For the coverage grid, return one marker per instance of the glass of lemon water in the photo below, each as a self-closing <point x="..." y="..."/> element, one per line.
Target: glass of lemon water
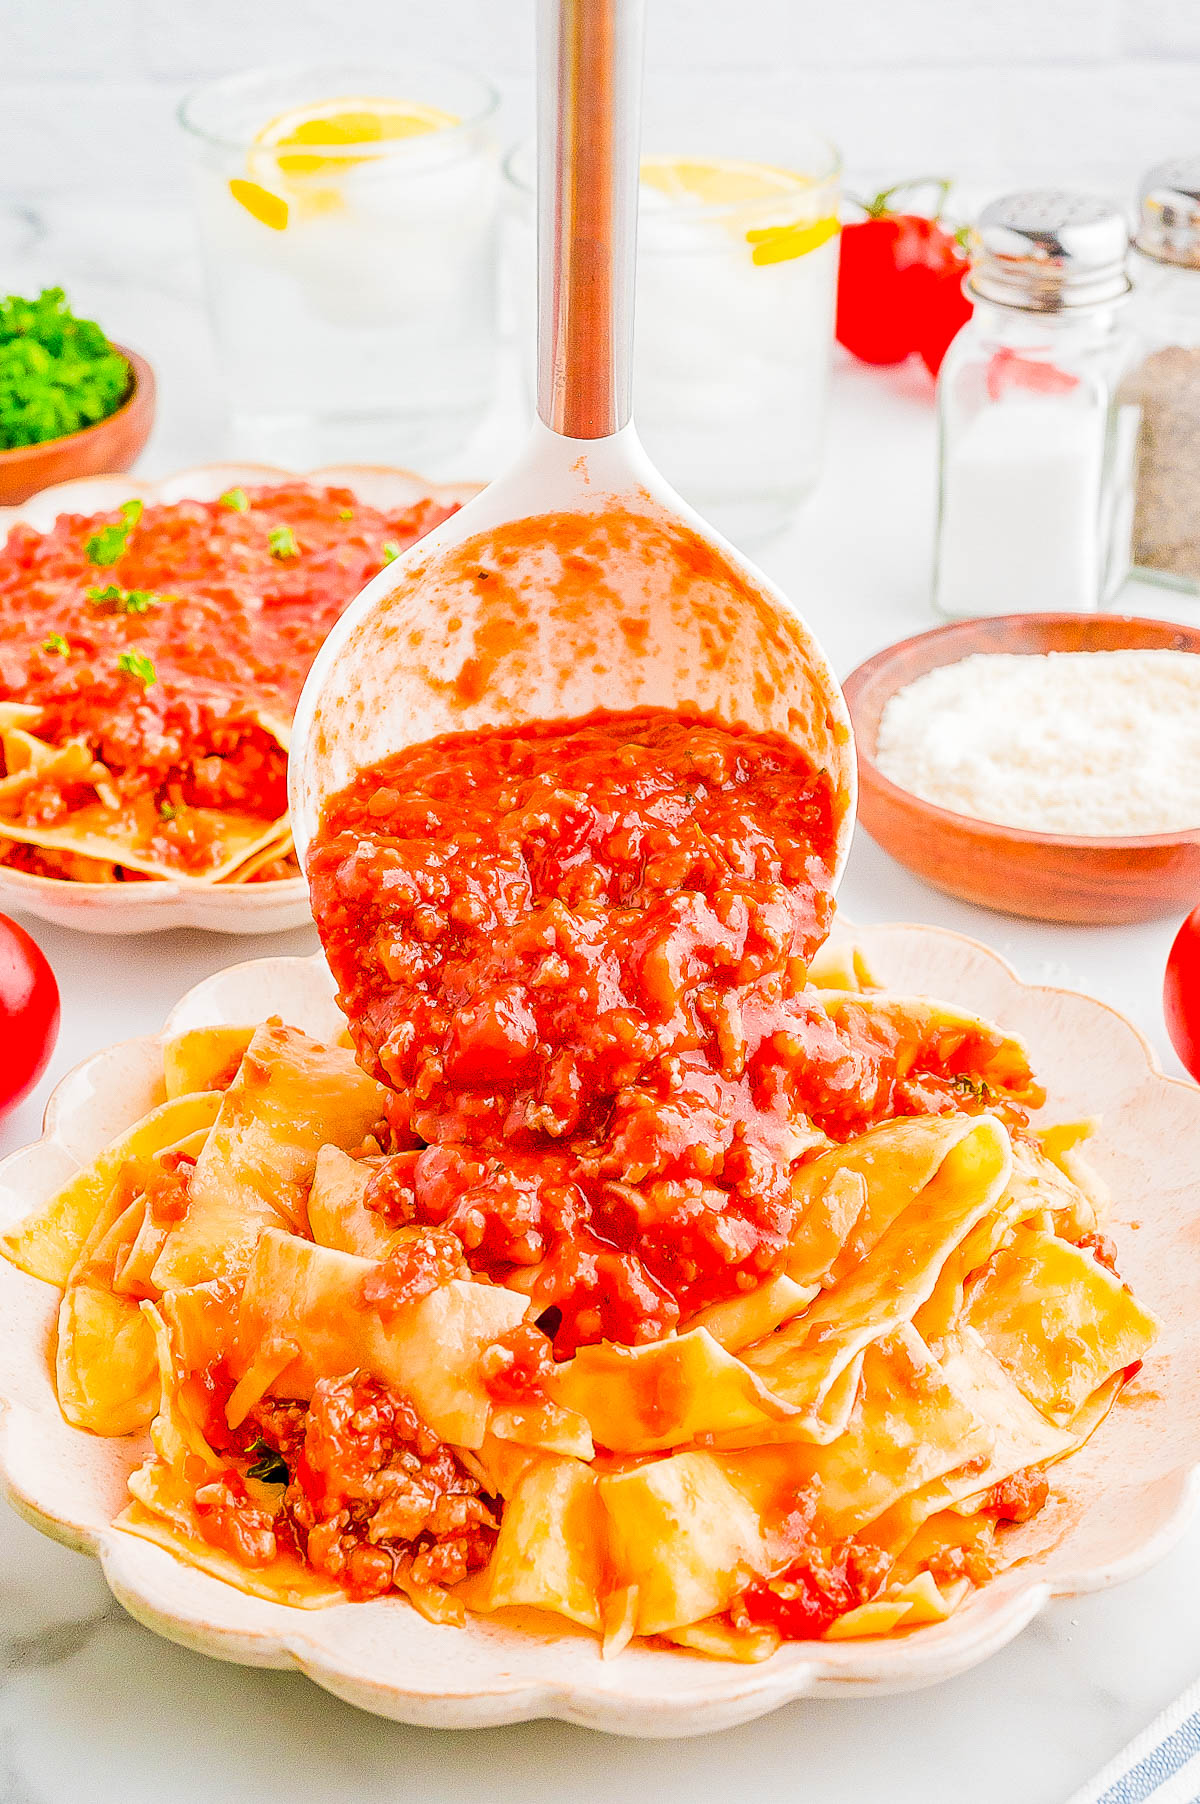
<point x="737" y="273"/>
<point x="348" y="218"/>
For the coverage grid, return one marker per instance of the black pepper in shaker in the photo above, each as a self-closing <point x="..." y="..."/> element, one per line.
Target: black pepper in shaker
<point x="1165" y="383"/>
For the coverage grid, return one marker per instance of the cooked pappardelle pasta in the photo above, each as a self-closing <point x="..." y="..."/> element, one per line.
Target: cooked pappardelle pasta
<point x="644" y="1265"/>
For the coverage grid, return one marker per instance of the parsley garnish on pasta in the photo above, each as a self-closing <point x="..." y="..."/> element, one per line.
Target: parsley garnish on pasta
<point x="137" y="664"/>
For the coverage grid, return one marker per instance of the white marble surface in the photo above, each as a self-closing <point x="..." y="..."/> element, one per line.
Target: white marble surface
<point x="93" y="1707"/>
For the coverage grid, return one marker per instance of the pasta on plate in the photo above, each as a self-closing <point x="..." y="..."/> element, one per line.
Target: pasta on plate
<point x="151" y="657"/>
<point x="760" y="1317"/>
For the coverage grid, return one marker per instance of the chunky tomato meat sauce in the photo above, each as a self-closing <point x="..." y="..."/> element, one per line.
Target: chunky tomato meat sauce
<point x="163" y="641"/>
<point x="374" y="1500"/>
<point x="577" y="955"/>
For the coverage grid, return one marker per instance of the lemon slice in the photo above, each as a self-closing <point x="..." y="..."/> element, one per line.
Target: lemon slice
<point x="725" y="182"/>
<point x="780" y="243"/>
<point x="717" y="181"/>
<point x="334" y="124"/>
<point x="312" y="142"/>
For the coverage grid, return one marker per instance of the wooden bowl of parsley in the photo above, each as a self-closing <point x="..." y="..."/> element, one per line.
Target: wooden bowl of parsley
<point x="71" y="402"/>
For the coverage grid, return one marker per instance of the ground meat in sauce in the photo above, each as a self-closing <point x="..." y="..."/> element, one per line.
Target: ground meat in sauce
<point x="1019" y="1496"/>
<point x="373" y="1500"/>
<point x="815" y="1588"/>
<point x="576" y="953"/>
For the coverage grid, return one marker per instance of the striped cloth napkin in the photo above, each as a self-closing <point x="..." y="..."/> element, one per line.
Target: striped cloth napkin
<point x="1161" y="1767"/>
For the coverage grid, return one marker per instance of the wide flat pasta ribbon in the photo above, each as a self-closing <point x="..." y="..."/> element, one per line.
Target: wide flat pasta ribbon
<point x="1021" y="1438"/>
<point x="308" y="1297"/>
<point x="1038" y="1191"/>
<point x="1057" y="1320"/>
<point x="105" y="1369"/>
<point x="551" y="1552"/>
<point x="291" y="1097"/>
<point x="125" y="835"/>
<point x="162" y="1494"/>
<point x="800" y="1362"/>
<point x="755" y="1313"/>
<point x="911" y="1423"/>
<point x="204" y="1058"/>
<point x="663" y="1394"/>
<point x="852" y="1194"/>
<point x="337" y="1215"/>
<point x="48" y="1242"/>
<point x="683" y="1534"/>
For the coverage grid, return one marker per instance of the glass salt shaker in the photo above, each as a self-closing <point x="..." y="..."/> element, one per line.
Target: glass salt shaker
<point x="1165" y="384"/>
<point x="1034" y="474"/>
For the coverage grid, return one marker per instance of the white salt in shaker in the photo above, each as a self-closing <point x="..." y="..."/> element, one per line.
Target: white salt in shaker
<point x="1035" y="454"/>
<point x="1165" y="384"/>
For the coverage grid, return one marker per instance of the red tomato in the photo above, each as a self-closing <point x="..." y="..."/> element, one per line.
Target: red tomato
<point x="28" y="1013"/>
<point x="1181" y="993"/>
<point x="949" y="312"/>
<point x="899" y="285"/>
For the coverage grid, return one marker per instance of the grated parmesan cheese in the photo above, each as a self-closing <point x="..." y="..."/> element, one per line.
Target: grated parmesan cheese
<point x="1103" y="744"/>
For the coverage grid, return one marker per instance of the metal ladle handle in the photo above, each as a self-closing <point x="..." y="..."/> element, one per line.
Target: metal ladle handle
<point x="589" y="135"/>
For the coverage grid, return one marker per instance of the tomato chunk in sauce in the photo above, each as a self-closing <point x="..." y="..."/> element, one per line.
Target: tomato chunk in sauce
<point x="576" y="953"/>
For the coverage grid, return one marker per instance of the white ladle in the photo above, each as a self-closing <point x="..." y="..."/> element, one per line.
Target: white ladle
<point x="578" y="580"/>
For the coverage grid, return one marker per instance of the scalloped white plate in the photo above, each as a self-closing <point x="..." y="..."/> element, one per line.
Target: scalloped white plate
<point x="1117" y="1506"/>
<point x="146" y="907"/>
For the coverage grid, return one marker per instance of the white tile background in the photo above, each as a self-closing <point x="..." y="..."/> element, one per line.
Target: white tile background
<point x="987" y="90"/>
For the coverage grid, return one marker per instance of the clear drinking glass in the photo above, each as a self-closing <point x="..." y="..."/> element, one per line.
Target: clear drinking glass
<point x="737" y="272"/>
<point x="349" y="221"/>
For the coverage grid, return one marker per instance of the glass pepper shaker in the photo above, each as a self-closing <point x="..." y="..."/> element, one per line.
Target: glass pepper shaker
<point x="1165" y="384"/>
<point x="1033" y="509"/>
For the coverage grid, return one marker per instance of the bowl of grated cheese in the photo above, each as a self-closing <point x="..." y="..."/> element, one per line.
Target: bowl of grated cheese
<point x="1045" y="765"/>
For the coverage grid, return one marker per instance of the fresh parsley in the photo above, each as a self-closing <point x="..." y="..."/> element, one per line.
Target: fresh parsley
<point x="58" y="373"/>
<point x="122" y="601"/>
<point x="107" y="545"/>
<point x="236" y="500"/>
<point x="281" y="542"/>
<point x="981" y="1091"/>
<point x="137" y="664"/>
<point x="167" y="811"/>
<point x="56" y="643"/>
<point x="391" y="551"/>
<point x="345" y="513"/>
<point x="270" y="1466"/>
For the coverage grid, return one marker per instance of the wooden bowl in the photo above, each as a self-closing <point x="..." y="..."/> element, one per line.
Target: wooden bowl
<point x="1048" y="876"/>
<point x="112" y="444"/>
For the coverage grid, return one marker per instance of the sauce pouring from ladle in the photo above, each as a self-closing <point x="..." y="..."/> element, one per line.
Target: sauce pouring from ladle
<point x="578" y="580"/>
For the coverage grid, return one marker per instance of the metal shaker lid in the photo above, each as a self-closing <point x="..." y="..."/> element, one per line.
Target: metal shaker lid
<point x="1168" y="226"/>
<point x="1048" y="250"/>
